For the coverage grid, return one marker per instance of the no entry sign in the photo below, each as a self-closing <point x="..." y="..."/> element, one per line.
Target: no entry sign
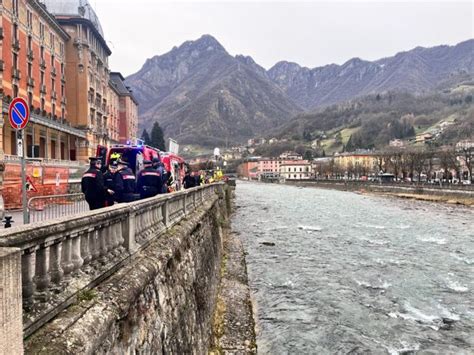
<point x="19" y="113"/>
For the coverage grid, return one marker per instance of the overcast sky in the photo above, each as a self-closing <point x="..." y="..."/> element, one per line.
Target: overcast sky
<point x="311" y="33"/>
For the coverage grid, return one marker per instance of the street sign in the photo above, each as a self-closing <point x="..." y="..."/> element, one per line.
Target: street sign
<point x="19" y="145"/>
<point x="19" y="113"/>
<point x="30" y="186"/>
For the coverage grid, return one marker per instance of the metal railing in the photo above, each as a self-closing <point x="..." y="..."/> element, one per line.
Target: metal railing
<point x="43" y="208"/>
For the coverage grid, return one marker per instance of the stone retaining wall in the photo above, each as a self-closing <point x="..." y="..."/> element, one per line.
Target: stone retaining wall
<point x="161" y="301"/>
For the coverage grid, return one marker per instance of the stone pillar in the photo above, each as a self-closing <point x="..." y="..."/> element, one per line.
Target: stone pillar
<point x="166" y="214"/>
<point x="128" y="229"/>
<point x="11" y="324"/>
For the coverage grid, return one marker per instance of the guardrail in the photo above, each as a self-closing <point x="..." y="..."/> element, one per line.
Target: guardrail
<point x="63" y="257"/>
<point x="444" y="186"/>
<point x="43" y="208"/>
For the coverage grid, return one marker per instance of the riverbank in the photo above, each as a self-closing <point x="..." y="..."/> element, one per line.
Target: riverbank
<point x="233" y="325"/>
<point x="456" y="197"/>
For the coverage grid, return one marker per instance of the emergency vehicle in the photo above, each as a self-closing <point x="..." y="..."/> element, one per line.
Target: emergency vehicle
<point x="175" y="164"/>
<point x="136" y="154"/>
<point x="133" y="154"/>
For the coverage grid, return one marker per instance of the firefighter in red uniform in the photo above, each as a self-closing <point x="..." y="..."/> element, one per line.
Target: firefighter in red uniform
<point x="148" y="181"/>
<point x="92" y="185"/>
<point x="125" y="183"/>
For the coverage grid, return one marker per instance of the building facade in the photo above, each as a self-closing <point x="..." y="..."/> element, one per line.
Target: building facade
<point x="87" y="71"/>
<point x="114" y="113"/>
<point x="128" y="109"/>
<point x="296" y="170"/>
<point x="360" y="163"/>
<point x="32" y="66"/>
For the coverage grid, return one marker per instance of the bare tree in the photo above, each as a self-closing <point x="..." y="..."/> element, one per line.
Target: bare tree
<point x="466" y="158"/>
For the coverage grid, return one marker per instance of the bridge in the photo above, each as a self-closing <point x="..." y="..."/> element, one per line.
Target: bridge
<point x="136" y="277"/>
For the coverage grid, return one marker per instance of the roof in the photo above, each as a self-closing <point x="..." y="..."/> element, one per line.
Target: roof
<point x="117" y="81"/>
<point x="49" y="17"/>
<point x="76" y="8"/>
<point x="67" y="11"/>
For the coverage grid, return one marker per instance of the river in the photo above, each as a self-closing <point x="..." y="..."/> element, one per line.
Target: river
<point x="335" y="272"/>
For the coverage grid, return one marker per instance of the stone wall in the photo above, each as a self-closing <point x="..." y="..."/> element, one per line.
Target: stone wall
<point x="11" y="332"/>
<point x="162" y="301"/>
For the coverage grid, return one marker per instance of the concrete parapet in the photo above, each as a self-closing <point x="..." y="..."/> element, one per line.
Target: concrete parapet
<point x="11" y="325"/>
<point x="63" y="258"/>
<point x="160" y="302"/>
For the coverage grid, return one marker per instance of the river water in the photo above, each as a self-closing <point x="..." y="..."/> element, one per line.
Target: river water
<point x="356" y="274"/>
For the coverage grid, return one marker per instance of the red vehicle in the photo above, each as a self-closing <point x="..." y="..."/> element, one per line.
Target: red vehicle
<point x="175" y="164"/>
<point x="133" y="154"/>
<point x="136" y="154"/>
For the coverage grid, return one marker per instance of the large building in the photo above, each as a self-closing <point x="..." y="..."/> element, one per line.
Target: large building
<point x="114" y="113"/>
<point x="359" y="162"/>
<point x="32" y="66"/>
<point x="296" y="170"/>
<point x="87" y="71"/>
<point x="128" y="112"/>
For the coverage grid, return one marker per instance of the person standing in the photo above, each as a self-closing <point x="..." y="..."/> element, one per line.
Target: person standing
<point x="125" y="183"/>
<point x="109" y="182"/>
<point x="189" y="180"/>
<point x="92" y="185"/>
<point x="159" y="167"/>
<point x="148" y="181"/>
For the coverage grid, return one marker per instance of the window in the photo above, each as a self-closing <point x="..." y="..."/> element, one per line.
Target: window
<point x="42" y="52"/>
<point x="15" y="32"/>
<point x="30" y="43"/>
<point x="42" y="104"/>
<point x="53" y="110"/>
<point x="53" y="85"/>
<point x="15" y="61"/>
<point x="15" y="6"/>
<point x="30" y="99"/>
<point x="30" y="70"/>
<point x="29" y="18"/>
<point x="15" y="90"/>
<point x="52" y="61"/>
<point x="42" y="31"/>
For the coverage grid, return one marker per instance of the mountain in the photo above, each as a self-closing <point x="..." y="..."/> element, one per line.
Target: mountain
<point x="417" y="71"/>
<point x="202" y="95"/>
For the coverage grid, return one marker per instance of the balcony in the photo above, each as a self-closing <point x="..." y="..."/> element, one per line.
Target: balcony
<point x="43" y="89"/>
<point x="63" y="100"/>
<point x="16" y="45"/>
<point x="30" y="55"/>
<point x="16" y="74"/>
<point x="63" y="78"/>
<point x="43" y="64"/>
<point x="53" y="71"/>
<point x="53" y="95"/>
<point x="31" y="82"/>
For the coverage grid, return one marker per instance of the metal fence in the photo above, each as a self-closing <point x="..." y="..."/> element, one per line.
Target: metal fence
<point x="42" y="208"/>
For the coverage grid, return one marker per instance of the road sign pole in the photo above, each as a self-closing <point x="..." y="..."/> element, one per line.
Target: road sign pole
<point x="19" y="115"/>
<point x="21" y="154"/>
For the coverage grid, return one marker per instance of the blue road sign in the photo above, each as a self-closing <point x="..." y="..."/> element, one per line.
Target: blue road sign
<point x="19" y="114"/>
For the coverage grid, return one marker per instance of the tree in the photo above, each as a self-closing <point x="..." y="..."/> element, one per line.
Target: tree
<point x="308" y="155"/>
<point x="146" y="137"/>
<point x="157" y="138"/>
